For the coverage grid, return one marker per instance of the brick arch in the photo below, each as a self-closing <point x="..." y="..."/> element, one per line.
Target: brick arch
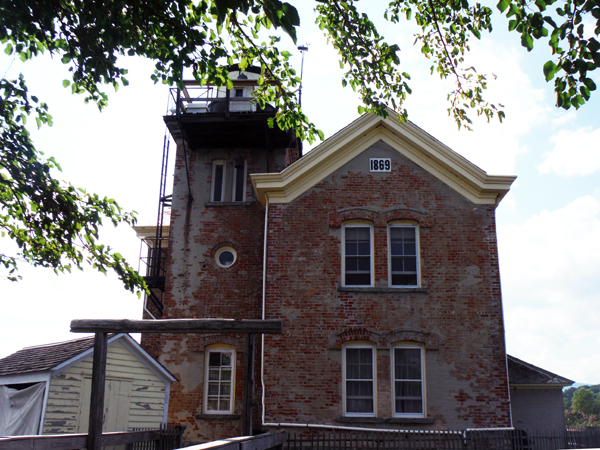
<point x="424" y="219"/>
<point x="337" y="339"/>
<point x="362" y="212"/>
<point x="431" y="341"/>
<point x="224" y="340"/>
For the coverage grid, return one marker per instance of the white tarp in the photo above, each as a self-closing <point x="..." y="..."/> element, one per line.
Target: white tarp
<point x="21" y="410"/>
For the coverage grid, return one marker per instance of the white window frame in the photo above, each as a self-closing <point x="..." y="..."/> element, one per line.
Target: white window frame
<point x="235" y="173"/>
<point x="410" y="346"/>
<point x="208" y="352"/>
<point x="361" y="224"/>
<point x="373" y="379"/>
<point x="417" y="256"/>
<point x="218" y="162"/>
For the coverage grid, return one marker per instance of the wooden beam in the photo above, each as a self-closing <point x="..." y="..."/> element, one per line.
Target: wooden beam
<point x="248" y="393"/>
<point x="94" y="440"/>
<point x="228" y="326"/>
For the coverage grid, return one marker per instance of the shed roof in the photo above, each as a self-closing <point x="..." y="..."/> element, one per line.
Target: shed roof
<point x="43" y="357"/>
<point x="521" y="373"/>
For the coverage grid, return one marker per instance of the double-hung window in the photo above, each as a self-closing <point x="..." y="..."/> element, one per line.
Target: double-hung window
<point x="357" y="255"/>
<point x="408" y="381"/>
<point x="219" y="379"/>
<point x="359" y="380"/>
<point x="239" y="180"/>
<point x="404" y="256"/>
<point x="218" y="181"/>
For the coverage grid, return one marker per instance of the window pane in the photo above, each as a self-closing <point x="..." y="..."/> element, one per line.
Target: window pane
<point x="404" y="280"/>
<point x="213" y="388"/>
<point x="212" y="404"/>
<point x="214" y="359"/>
<point x="218" y="183"/>
<point x="225" y="389"/>
<point x="226" y="359"/>
<point x="213" y="374"/>
<point x="356" y="279"/>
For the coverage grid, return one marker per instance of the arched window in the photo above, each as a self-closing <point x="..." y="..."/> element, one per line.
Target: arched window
<point x="219" y="380"/>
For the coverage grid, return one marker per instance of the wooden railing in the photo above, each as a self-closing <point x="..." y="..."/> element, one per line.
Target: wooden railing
<point x="267" y="441"/>
<point x="166" y="438"/>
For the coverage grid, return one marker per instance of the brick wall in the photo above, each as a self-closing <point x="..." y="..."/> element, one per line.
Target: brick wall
<point x="456" y="316"/>
<point x="461" y="311"/>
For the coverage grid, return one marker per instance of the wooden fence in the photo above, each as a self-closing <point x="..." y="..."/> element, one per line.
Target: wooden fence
<point x="165" y="438"/>
<point x="500" y="439"/>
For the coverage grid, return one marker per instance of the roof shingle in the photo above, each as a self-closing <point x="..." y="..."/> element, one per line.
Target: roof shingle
<point x="43" y="357"/>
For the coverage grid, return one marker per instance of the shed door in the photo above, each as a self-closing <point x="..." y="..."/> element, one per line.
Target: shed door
<point x="117" y="401"/>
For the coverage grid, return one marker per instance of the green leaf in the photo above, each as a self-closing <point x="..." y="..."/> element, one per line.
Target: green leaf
<point x="549" y="70"/>
<point x="66" y="83"/>
<point x="502" y="5"/>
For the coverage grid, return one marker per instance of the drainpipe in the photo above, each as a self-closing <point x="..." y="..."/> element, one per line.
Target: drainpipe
<point x="264" y="312"/>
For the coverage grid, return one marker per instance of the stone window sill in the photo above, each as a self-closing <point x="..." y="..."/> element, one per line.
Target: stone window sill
<point x="217" y="204"/>
<point x="217" y="416"/>
<point x="386" y="290"/>
<point x="384" y="420"/>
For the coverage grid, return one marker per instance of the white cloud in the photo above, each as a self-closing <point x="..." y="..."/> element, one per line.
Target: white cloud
<point x="575" y="153"/>
<point x="550" y="269"/>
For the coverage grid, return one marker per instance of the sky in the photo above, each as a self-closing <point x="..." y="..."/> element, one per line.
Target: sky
<point x="548" y="225"/>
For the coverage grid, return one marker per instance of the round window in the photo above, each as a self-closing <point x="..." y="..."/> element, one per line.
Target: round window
<point x="225" y="257"/>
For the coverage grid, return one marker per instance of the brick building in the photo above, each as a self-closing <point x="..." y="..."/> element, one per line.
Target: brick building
<point x="377" y="249"/>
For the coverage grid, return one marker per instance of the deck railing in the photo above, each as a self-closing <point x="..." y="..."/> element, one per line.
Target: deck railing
<point x="166" y="438"/>
<point x="499" y="439"/>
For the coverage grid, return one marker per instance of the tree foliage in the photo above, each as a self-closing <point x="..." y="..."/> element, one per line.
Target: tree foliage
<point x="54" y="224"/>
<point x="582" y="406"/>
<point x="206" y="35"/>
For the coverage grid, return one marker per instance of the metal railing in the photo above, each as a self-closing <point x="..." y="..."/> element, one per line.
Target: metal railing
<point x="500" y="439"/>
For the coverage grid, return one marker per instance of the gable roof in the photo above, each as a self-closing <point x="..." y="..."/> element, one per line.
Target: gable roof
<point x="43" y="357"/>
<point x="523" y="374"/>
<point x="408" y="139"/>
<point x="61" y="355"/>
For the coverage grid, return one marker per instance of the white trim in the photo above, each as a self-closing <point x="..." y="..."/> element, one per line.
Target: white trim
<point x="219" y="349"/>
<point x="358" y="224"/>
<point x="218" y="162"/>
<point x="166" y="404"/>
<point x="417" y="251"/>
<point x="22" y="378"/>
<point x="224" y="249"/>
<point x="44" y="407"/>
<point x="406" y="138"/>
<point x="373" y="380"/>
<point x="233" y="191"/>
<point x="422" y="380"/>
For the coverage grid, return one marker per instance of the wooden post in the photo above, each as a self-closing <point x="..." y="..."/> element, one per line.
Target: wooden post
<point x="94" y="440"/>
<point x="248" y="395"/>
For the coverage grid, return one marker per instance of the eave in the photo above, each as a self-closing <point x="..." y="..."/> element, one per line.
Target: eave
<point x="408" y="139"/>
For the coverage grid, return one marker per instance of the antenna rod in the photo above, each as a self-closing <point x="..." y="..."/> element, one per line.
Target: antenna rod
<point x="302" y="48"/>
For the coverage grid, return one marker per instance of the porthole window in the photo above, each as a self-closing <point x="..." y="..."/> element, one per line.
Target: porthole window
<point x="226" y="257"/>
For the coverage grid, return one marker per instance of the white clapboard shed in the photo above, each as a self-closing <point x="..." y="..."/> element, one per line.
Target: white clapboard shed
<point x="46" y="389"/>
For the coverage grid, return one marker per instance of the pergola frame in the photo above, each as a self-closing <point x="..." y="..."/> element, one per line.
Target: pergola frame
<point x="101" y="329"/>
